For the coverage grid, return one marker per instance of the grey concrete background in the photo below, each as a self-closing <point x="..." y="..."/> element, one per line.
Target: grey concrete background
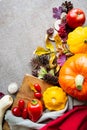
<point x="23" y="24"/>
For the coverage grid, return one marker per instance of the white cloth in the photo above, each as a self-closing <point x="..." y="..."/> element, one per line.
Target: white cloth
<point x="18" y="123"/>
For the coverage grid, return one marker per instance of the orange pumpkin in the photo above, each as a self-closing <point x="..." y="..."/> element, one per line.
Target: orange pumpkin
<point x="73" y="76"/>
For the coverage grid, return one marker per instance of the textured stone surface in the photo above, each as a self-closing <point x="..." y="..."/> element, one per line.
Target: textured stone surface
<point x="23" y="24"/>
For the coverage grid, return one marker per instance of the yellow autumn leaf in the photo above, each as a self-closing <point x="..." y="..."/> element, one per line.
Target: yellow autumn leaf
<point x="32" y="87"/>
<point x="49" y="45"/>
<point x="51" y="60"/>
<point x="57" y="68"/>
<point x="40" y="51"/>
<point x="57" y="40"/>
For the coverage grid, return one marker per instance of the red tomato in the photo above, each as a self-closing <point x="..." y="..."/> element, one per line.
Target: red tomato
<point x="75" y="18"/>
<point x="37" y="87"/>
<point x="37" y="95"/>
<point x="25" y="113"/>
<point x="16" y="111"/>
<point x="35" y="109"/>
<point x="21" y="104"/>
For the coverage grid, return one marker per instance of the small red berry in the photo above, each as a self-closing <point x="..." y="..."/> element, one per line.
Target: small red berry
<point x="37" y="87"/>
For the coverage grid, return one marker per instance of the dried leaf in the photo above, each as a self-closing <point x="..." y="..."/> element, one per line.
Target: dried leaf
<point x="61" y="59"/>
<point x="32" y="87"/>
<point x="49" y="45"/>
<point x="57" y="68"/>
<point x="57" y="12"/>
<point x="51" y="60"/>
<point x="57" y="40"/>
<point x="40" y="51"/>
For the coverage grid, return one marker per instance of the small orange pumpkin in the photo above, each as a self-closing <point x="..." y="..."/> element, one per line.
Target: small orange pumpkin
<point x="73" y="76"/>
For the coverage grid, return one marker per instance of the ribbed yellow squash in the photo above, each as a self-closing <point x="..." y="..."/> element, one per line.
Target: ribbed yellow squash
<point x="54" y="98"/>
<point x="77" y="40"/>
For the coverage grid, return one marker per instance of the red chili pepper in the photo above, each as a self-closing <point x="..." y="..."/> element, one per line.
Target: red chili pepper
<point x="21" y="104"/>
<point x="37" y="95"/>
<point x="25" y="113"/>
<point x="16" y="111"/>
<point x="37" y="87"/>
<point x="35" y="109"/>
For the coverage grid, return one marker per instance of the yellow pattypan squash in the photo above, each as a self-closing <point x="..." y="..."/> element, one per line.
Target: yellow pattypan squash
<point x="54" y="98"/>
<point x="77" y="40"/>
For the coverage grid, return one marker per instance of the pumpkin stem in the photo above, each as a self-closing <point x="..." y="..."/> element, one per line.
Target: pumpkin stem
<point x="85" y="41"/>
<point x="79" y="81"/>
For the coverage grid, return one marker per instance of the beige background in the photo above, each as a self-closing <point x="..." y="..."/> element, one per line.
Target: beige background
<point x="23" y="24"/>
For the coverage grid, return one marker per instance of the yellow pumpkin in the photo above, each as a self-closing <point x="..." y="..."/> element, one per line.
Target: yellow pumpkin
<point x="77" y="40"/>
<point x="54" y="98"/>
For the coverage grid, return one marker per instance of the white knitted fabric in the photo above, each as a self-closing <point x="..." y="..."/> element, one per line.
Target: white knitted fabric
<point x="18" y="123"/>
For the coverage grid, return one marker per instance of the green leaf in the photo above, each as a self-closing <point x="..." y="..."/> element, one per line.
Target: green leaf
<point x="42" y="72"/>
<point x="51" y="72"/>
<point x="40" y="51"/>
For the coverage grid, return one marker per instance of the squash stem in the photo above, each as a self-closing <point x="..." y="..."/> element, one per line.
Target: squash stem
<point x="79" y="81"/>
